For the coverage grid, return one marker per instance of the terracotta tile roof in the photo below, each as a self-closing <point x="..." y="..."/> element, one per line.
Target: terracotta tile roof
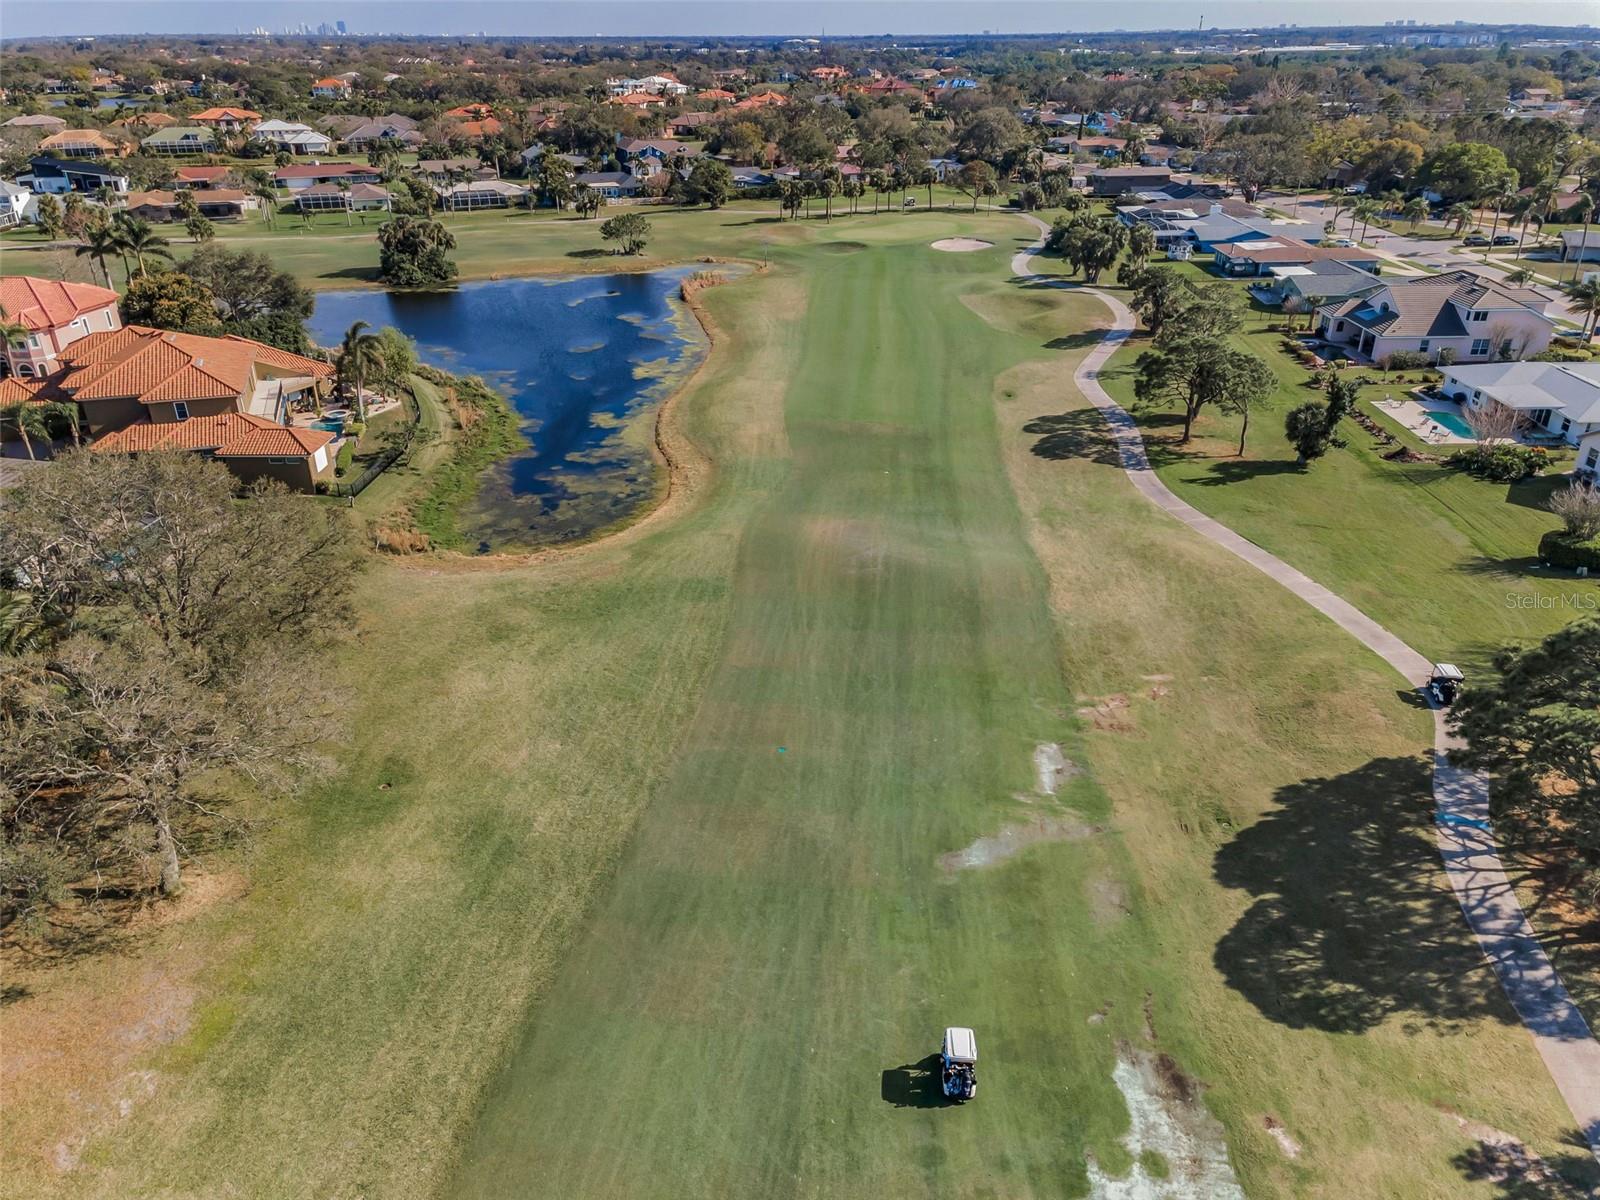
<point x="228" y="435"/>
<point x="227" y="114"/>
<point x="77" y="137"/>
<point x="201" y="174"/>
<point x="716" y="94"/>
<point x="157" y="366"/>
<point x="331" y="83"/>
<point x="47" y="304"/>
<point x="27" y="391"/>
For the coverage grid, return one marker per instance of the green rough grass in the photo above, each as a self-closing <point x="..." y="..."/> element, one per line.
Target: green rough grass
<point x="627" y="882"/>
<point x="453" y="482"/>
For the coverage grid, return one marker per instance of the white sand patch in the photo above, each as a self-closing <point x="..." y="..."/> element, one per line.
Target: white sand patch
<point x="1286" y="1142"/>
<point x="961" y="245"/>
<point x="1051" y="768"/>
<point x="1013" y="839"/>
<point x="1169" y="1117"/>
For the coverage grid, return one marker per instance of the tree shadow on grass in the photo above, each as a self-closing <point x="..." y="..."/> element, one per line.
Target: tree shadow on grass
<point x="914" y="1085"/>
<point x="1076" y="341"/>
<point x="1242" y="470"/>
<point x="1083" y="433"/>
<point x="1352" y="921"/>
<point x="590" y="252"/>
<point x="1535" y="491"/>
<point x="1517" y="1176"/>
<point x="368" y="274"/>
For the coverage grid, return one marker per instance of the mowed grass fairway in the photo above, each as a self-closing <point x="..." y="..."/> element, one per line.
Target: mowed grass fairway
<point x="632" y="879"/>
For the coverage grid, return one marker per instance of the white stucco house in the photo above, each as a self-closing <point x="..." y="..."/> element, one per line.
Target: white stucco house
<point x="1589" y="458"/>
<point x="1558" y="399"/>
<point x="1472" y="318"/>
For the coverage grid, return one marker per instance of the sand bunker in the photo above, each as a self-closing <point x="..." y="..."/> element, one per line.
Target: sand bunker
<point x="961" y="245"/>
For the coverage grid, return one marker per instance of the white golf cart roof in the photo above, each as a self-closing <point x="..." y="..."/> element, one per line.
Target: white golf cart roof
<point x="1448" y="671"/>
<point x="960" y="1045"/>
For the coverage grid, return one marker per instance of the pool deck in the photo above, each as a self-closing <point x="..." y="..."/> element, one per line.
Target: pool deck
<point x="1417" y="415"/>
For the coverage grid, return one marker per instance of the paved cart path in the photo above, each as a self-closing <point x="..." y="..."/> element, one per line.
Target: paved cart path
<point x="1461" y="797"/>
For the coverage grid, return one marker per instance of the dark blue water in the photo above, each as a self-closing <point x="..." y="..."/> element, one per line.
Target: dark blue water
<point x="583" y="360"/>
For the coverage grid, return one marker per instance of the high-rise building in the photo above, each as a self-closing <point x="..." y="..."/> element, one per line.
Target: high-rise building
<point x="339" y="25"/>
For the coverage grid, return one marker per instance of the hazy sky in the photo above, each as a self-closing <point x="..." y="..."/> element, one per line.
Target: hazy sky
<point x="687" y="18"/>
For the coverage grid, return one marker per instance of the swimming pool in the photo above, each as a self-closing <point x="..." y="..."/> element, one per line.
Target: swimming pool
<point x="1451" y="421"/>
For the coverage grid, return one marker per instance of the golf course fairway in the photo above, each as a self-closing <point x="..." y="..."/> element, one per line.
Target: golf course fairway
<point x="852" y="847"/>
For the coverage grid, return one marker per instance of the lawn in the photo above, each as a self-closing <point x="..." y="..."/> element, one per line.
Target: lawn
<point x="632" y="877"/>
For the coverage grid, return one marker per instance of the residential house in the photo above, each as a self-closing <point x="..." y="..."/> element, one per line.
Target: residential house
<point x="80" y="143"/>
<point x="181" y="140"/>
<point x="1114" y="181"/>
<point x="226" y="120"/>
<point x="297" y="175"/>
<point x="1259" y="256"/>
<point x="1588" y="467"/>
<point x="18" y="205"/>
<point x="214" y="204"/>
<point x="616" y="185"/>
<point x="1316" y="282"/>
<point x="394" y="128"/>
<point x="767" y="99"/>
<point x="355" y="197"/>
<point x="140" y="389"/>
<point x="945" y="170"/>
<point x="141" y="123"/>
<point x="746" y="178"/>
<point x="56" y="177"/>
<point x="1558" y="400"/>
<point x="42" y="121"/>
<point x="650" y="85"/>
<point x="715" y="96"/>
<point x="292" y="138"/>
<point x="330" y="89"/>
<point x="638" y="101"/>
<point x="56" y="315"/>
<point x="689" y="124"/>
<point x="480" y="193"/>
<point x="448" y="170"/>
<point x="1342" y="174"/>
<point x="201" y="177"/>
<point x="1476" y="320"/>
<point x="646" y="156"/>
<point x="828" y="74"/>
<point x="252" y="448"/>
<point x="1580" y="245"/>
<point x="1160" y="154"/>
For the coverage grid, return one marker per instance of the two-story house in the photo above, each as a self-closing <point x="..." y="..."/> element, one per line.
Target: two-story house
<point x="139" y="389"/>
<point x="56" y="315"/>
<point x="228" y="120"/>
<point x="1476" y="320"/>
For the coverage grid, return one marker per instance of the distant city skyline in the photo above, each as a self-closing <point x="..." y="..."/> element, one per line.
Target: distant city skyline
<point x="743" y="18"/>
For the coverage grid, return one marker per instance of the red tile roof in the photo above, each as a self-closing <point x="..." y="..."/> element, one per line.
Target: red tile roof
<point x="201" y="174"/>
<point x="228" y="435"/>
<point x="27" y="391"/>
<point x="157" y="366"/>
<point x="227" y="114"/>
<point x="46" y="304"/>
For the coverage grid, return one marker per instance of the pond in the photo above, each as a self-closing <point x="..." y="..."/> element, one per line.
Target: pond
<point x="585" y="361"/>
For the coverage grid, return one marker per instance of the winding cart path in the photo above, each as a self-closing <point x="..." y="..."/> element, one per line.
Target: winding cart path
<point x="1461" y="798"/>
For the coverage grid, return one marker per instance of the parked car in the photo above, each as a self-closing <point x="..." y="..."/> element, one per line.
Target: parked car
<point x="1340" y="243"/>
<point x="1504" y="239"/>
<point x="1475" y="239"/>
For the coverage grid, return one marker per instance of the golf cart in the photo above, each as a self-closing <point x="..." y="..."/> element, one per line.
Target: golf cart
<point x="1445" y="684"/>
<point x="958" y="1064"/>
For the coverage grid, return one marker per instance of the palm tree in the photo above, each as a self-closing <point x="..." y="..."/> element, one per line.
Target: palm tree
<point x="1520" y="277"/>
<point x="1505" y="193"/>
<point x="27" y="419"/>
<point x="99" y="243"/>
<point x="1586" y="301"/>
<point x="1586" y="206"/>
<point x="359" y="353"/>
<point x="68" y="412"/>
<point x="1461" y="215"/>
<point x="791" y="196"/>
<point x="139" y="238"/>
<point x="1368" y="211"/>
<point x="12" y="333"/>
<point x="1414" y="210"/>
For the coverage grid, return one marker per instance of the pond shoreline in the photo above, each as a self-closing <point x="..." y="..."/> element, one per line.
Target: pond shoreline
<point x="687" y="469"/>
